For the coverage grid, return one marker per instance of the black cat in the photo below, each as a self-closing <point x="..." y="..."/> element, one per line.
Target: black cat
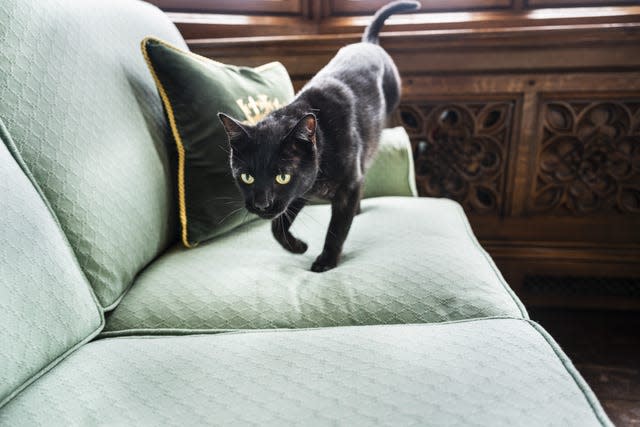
<point x="321" y="143"/>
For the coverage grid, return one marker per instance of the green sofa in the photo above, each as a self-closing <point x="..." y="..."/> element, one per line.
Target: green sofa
<point x="107" y="320"/>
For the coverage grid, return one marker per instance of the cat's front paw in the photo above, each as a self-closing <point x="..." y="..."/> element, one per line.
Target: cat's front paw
<point x="296" y="247"/>
<point x="289" y="242"/>
<point x="324" y="262"/>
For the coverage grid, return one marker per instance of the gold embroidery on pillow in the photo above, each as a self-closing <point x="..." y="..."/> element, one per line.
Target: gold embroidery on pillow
<point x="256" y="109"/>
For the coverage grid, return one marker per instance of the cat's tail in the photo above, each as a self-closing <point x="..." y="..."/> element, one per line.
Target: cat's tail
<point x="371" y="32"/>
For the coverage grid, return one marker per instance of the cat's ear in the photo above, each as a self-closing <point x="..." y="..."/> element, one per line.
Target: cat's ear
<point x="235" y="131"/>
<point x="305" y="129"/>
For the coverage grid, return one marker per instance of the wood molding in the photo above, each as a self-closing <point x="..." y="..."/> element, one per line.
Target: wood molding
<point x="357" y="7"/>
<point x="575" y="3"/>
<point x="487" y="19"/>
<point x="599" y="47"/>
<point x="286" y="7"/>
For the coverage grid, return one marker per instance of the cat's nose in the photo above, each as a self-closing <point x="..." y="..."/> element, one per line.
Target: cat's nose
<point x="262" y="205"/>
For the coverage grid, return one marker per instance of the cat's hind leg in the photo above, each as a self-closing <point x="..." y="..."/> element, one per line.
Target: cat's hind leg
<point x="280" y="228"/>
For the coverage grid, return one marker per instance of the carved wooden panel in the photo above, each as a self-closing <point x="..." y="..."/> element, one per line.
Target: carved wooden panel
<point x="461" y="151"/>
<point x="588" y="159"/>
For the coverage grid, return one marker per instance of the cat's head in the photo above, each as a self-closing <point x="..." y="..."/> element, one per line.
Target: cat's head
<point x="273" y="162"/>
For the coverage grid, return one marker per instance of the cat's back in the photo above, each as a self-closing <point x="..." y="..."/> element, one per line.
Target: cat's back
<point x="357" y="72"/>
<point x="353" y="75"/>
<point x="357" y="58"/>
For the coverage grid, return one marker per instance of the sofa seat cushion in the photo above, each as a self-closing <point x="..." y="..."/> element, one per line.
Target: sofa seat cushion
<point x="406" y="260"/>
<point x="483" y="372"/>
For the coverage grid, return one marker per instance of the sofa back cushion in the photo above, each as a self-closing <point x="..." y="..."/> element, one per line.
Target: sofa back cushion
<point x="86" y="118"/>
<point x="46" y="305"/>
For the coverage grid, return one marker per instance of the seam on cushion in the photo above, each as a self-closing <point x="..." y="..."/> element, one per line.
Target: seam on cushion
<point x="52" y="365"/>
<point x="492" y="264"/>
<point x="13" y="150"/>
<point x="117" y="301"/>
<point x="164" y="332"/>
<point x="138" y="332"/>
<point x="588" y="394"/>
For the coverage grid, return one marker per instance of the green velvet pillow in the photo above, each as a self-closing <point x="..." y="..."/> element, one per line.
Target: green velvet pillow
<point x="193" y="90"/>
<point x="392" y="172"/>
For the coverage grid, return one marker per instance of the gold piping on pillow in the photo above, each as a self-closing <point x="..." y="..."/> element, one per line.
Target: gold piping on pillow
<point x="176" y="135"/>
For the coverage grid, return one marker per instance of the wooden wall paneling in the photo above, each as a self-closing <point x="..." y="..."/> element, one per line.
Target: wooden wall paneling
<point x="555" y="231"/>
<point x="584" y="282"/>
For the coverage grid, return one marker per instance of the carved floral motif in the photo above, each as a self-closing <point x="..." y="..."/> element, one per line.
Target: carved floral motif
<point x="460" y="151"/>
<point x="589" y="158"/>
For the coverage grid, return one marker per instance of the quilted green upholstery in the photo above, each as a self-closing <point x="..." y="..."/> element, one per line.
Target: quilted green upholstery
<point x="46" y="305"/>
<point x="84" y="113"/>
<point x="392" y="172"/>
<point x="406" y="260"/>
<point x="497" y="372"/>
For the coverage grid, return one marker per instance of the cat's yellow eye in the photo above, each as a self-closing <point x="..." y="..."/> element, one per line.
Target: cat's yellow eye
<point x="247" y="179"/>
<point x="283" y="178"/>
